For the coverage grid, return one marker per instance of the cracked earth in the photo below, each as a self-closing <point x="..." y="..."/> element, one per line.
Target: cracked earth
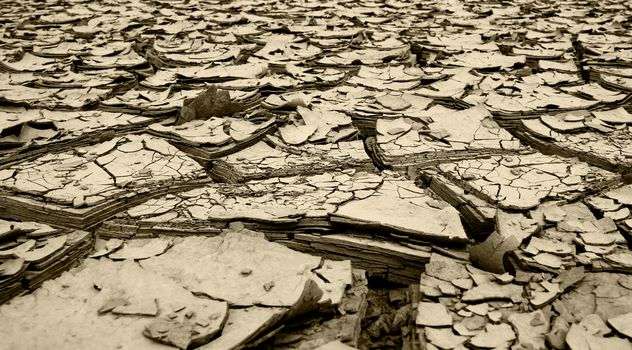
<point x="379" y="174"/>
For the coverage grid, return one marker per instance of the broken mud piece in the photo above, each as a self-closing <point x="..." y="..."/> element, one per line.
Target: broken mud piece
<point x="274" y="158"/>
<point x="548" y="260"/>
<point x="445" y="268"/>
<point x="10" y="267"/>
<point x="402" y="207"/>
<point x="213" y="102"/>
<point x="494" y="291"/>
<point x="191" y="327"/>
<point x="541" y="298"/>
<point x="622" y="194"/>
<point x="444" y="338"/>
<point x="334" y="277"/>
<point x="433" y="287"/>
<point x="471" y="325"/>
<point x="335" y="345"/>
<point x="570" y="278"/>
<point x="244" y="325"/>
<point x="253" y="324"/>
<point x="139" y="249"/>
<point x="38" y="253"/>
<point x="580" y="338"/>
<point x="12" y="271"/>
<point x="494" y="336"/>
<point x="622" y="324"/>
<point x="46" y="249"/>
<point x="557" y="334"/>
<point x="531" y="329"/>
<point x="433" y="315"/>
<point x="104" y="247"/>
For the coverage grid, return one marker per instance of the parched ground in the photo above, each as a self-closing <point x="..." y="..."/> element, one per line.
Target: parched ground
<point x="315" y="174"/>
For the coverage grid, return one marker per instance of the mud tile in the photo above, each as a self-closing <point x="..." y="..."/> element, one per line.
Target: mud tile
<point x="444" y="338"/>
<point x="264" y="161"/>
<point x="579" y="338"/>
<point x="620" y="214"/>
<point x="141" y="249"/>
<point x="76" y="183"/>
<point x="530" y="328"/>
<point x="621" y="324"/>
<point x="433" y="315"/>
<point x="473" y="133"/>
<point x="530" y="183"/>
<point x="494" y="336"/>
<point x="380" y="209"/>
<point x="104" y="247"/>
<point x="445" y="268"/>
<point x="493" y="291"/>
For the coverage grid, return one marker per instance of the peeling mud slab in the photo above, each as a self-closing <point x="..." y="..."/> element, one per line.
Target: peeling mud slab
<point x="478" y="214"/>
<point x="49" y="98"/>
<point x="401" y="207"/>
<point x="32" y="253"/>
<point x="369" y="108"/>
<point x="216" y="137"/>
<point x="520" y="182"/>
<point x="25" y="133"/>
<point x="601" y="138"/>
<point x="273" y="158"/>
<point x="614" y="204"/>
<point x="316" y="124"/>
<point x="333" y="197"/>
<point x="184" y="53"/>
<point x="150" y="102"/>
<point x="83" y="187"/>
<point x="305" y="203"/>
<point x="510" y="231"/>
<point x="282" y="205"/>
<point x="441" y="135"/>
<point x="381" y="258"/>
<point x="545" y="99"/>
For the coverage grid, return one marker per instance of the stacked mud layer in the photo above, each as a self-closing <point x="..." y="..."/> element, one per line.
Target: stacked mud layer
<point x="230" y="174"/>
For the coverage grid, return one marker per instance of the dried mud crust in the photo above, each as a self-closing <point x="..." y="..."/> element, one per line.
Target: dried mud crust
<point x="316" y="175"/>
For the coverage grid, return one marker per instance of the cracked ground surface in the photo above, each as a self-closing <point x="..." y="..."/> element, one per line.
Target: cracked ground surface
<point x="373" y="174"/>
